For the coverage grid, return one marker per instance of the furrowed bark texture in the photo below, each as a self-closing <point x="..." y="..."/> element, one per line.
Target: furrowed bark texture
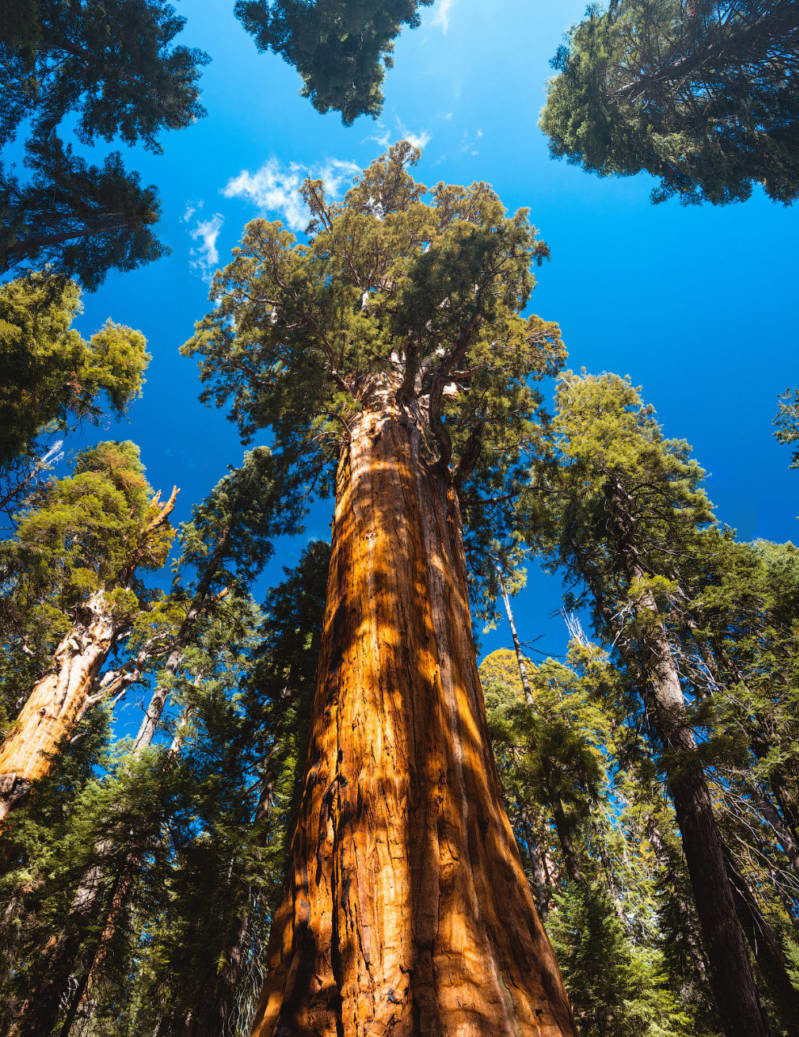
<point x="56" y="701"/>
<point x="407" y="910"/>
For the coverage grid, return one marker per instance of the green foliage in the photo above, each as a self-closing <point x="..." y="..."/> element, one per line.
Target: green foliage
<point x="424" y="299"/>
<point x="787" y="422"/>
<point x="84" y="533"/>
<point x="340" y="47"/>
<point x="104" y="70"/>
<point x="52" y="376"/>
<point x="566" y="761"/>
<point x="170" y="859"/>
<point x="621" y="509"/>
<point x="615" y="987"/>
<point x="702" y="95"/>
<point x="230" y="536"/>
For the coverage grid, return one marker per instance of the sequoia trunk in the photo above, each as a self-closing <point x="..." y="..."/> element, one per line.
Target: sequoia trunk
<point x="56" y="701"/>
<point x="407" y="910"/>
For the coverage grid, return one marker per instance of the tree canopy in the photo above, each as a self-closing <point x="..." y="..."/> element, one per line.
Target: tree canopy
<point x="53" y="377"/>
<point x="97" y="71"/>
<point x="702" y="95"/>
<point x="391" y="294"/>
<point x="341" y="48"/>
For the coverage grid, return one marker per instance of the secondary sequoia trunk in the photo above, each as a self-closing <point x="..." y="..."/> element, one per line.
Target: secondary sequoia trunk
<point x="56" y="701"/>
<point x="407" y="909"/>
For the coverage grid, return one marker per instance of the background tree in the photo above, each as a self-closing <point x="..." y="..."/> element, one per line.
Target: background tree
<point x="787" y="422"/>
<point x="341" y="48"/>
<point x="392" y="343"/>
<point x="701" y="94"/>
<point x="107" y="70"/>
<point x="564" y="760"/>
<point x="53" y="377"/>
<point x="83" y="545"/>
<point x="146" y="907"/>
<point x="627" y="506"/>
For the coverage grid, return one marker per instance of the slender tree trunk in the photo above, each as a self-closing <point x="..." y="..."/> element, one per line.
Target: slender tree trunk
<point x="562" y="825"/>
<point x="563" y="828"/>
<point x="407" y="909"/>
<point x="521" y="663"/>
<point x="541" y="881"/>
<point x="731" y="974"/>
<point x="52" y="709"/>
<point x="776" y="824"/>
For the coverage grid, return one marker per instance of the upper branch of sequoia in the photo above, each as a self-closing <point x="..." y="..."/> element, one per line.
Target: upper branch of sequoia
<point x="400" y="289"/>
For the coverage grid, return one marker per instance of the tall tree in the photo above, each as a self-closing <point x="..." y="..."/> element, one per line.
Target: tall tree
<point x="341" y="48"/>
<point x="623" y="502"/>
<point x="700" y="93"/>
<point x="94" y="530"/>
<point x="221" y="549"/>
<point x="392" y="345"/>
<point x="115" y="71"/>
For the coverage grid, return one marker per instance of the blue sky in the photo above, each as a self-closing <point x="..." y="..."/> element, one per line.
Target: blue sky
<point x="697" y="305"/>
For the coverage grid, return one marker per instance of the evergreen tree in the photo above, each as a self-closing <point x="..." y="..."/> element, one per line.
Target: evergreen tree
<point x="562" y="757"/>
<point x="618" y="509"/>
<point x="392" y="343"/>
<point x="108" y="70"/>
<point x="701" y="94"/>
<point x="222" y="548"/>
<point x="341" y="48"/>
<point x="75" y="560"/>
<point x="787" y="422"/>
<point x="52" y="376"/>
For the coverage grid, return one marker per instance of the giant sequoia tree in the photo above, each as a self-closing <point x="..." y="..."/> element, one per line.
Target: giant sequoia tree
<point x="84" y="545"/>
<point x="392" y="347"/>
<point x="701" y="94"/>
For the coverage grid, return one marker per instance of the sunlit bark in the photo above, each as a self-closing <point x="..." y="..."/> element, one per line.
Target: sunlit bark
<point x="56" y="701"/>
<point x="407" y="909"/>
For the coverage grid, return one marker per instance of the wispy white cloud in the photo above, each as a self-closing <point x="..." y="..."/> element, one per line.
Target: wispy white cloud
<point x="276" y="188"/>
<point x="385" y="138"/>
<point x="418" y="140"/>
<point x="469" y="141"/>
<point x="441" y="14"/>
<point x="205" y="257"/>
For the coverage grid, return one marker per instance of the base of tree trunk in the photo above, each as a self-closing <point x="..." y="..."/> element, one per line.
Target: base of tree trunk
<point x="407" y="910"/>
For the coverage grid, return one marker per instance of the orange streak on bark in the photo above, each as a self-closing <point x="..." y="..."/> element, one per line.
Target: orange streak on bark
<point x="407" y="910"/>
<point x="51" y="711"/>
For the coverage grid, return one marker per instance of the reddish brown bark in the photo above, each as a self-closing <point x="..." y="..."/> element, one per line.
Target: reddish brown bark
<point x="407" y="910"/>
<point x="53" y="706"/>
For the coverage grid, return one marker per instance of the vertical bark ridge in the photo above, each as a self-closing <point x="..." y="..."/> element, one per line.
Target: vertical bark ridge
<point x="415" y="916"/>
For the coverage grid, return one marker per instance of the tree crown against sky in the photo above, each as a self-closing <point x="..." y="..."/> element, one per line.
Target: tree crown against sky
<point x="90" y="529"/>
<point x="54" y="378"/>
<point x="95" y="71"/>
<point x="422" y="301"/>
<point x="703" y="95"/>
<point x="341" y="48"/>
<point x="608" y="444"/>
